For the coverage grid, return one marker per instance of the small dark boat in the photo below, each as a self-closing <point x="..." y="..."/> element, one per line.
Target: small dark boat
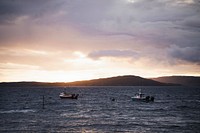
<point x="141" y="97"/>
<point x="65" y="95"/>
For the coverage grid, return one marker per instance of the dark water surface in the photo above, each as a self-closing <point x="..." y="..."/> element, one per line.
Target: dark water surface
<point x="175" y="110"/>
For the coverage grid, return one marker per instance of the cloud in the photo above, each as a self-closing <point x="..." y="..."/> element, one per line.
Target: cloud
<point x="10" y="10"/>
<point x="192" y="22"/>
<point x="189" y="54"/>
<point x="155" y="23"/>
<point x="113" y="53"/>
<point x="159" y="23"/>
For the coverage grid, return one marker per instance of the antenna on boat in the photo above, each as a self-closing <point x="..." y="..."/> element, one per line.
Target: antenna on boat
<point x="140" y="90"/>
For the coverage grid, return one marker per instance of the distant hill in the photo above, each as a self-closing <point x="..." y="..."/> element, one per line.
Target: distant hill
<point x="183" y="80"/>
<point x="24" y="84"/>
<point x="128" y="80"/>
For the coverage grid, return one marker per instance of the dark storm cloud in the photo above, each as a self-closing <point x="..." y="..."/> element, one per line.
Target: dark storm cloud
<point x="23" y="21"/>
<point x="12" y="9"/>
<point x="191" y="54"/>
<point x="192" y="22"/>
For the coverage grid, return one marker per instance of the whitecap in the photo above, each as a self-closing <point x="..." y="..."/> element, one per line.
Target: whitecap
<point x="17" y="111"/>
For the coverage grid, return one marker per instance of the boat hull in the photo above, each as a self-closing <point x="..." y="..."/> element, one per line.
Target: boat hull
<point x="68" y="96"/>
<point x="63" y="97"/>
<point x="147" y="99"/>
<point x="139" y="99"/>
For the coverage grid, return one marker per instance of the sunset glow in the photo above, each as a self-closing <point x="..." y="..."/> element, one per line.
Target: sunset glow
<point x="64" y="40"/>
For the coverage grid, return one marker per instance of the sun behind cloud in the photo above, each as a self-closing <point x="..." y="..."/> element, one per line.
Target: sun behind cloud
<point x="131" y="1"/>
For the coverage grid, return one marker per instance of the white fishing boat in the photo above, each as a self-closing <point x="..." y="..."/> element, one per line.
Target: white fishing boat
<point x="65" y="95"/>
<point x="141" y="97"/>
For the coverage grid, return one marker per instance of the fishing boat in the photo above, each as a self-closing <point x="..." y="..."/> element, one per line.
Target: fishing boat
<point x="141" y="97"/>
<point x="65" y="95"/>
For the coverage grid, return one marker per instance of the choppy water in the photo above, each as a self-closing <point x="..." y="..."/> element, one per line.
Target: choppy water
<point x="175" y="110"/>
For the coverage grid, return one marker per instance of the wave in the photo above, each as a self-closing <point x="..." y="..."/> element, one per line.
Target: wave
<point x="183" y="107"/>
<point x="17" y="111"/>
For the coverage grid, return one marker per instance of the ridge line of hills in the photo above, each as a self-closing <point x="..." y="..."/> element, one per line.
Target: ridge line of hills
<point x="127" y="80"/>
<point x="182" y="80"/>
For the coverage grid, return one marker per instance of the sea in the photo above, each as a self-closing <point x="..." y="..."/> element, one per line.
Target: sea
<point x="34" y="109"/>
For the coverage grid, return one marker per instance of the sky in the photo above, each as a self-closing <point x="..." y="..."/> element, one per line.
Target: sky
<point x="71" y="40"/>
